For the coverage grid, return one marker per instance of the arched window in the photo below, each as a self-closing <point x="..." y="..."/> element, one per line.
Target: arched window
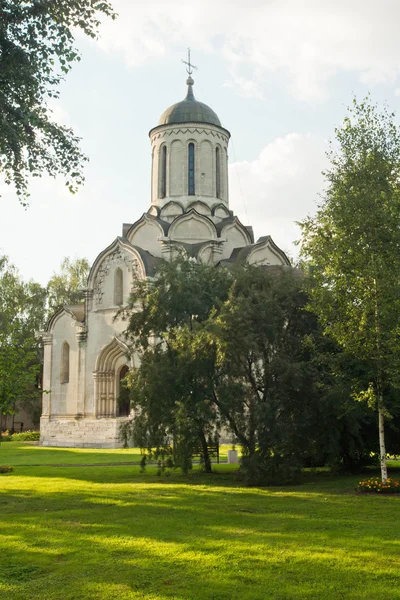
<point x="64" y="378"/>
<point x="191" y="170"/>
<point x="163" y="172"/>
<point x="118" y="287"/>
<point x="218" y="172"/>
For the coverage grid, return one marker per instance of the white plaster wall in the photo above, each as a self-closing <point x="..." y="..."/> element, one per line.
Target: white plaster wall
<point x="264" y="256"/>
<point x="170" y="211"/>
<point x="176" y="171"/>
<point x="102" y="329"/>
<point x="81" y="433"/>
<point x="235" y="238"/>
<point x="146" y="235"/>
<point x="177" y="138"/>
<point x="192" y="229"/>
<point x="64" y="395"/>
<point x="206" y="180"/>
<point x="108" y="287"/>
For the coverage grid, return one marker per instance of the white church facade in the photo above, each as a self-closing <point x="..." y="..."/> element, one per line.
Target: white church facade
<point x="85" y="356"/>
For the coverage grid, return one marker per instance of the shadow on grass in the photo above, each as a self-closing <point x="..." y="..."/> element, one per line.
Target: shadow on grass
<point x="167" y="542"/>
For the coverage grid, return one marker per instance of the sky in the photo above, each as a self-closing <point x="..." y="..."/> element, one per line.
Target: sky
<point x="280" y="74"/>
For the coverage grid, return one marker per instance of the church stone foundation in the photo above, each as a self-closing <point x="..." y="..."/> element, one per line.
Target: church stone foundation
<point x="70" y="432"/>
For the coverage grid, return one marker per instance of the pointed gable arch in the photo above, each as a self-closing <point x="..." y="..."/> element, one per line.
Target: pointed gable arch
<point x="75" y="312"/>
<point x="111" y="358"/>
<point x="220" y="210"/>
<point x="200" y="207"/>
<point x="119" y="252"/>
<point x="110" y="354"/>
<point x="266" y="252"/>
<point x="170" y="210"/>
<point x="146" y="233"/>
<point x="234" y="229"/>
<point x="192" y="228"/>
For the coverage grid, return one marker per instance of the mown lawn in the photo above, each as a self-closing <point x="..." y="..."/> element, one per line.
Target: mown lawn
<point x="19" y="453"/>
<point x="79" y="533"/>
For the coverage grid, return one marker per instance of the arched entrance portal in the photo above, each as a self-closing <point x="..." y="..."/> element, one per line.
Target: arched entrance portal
<point x="111" y="368"/>
<point x="123" y="398"/>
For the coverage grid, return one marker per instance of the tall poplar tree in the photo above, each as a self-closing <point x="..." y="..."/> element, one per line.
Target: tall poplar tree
<point x="352" y="248"/>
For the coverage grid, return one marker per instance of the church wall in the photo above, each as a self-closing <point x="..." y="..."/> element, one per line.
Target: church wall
<point x="206" y="138"/>
<point x="264" y="256"/>
<point x="102" y="329"/>
<point x="206" y="179"/>
<point x="176" y="169"/>
<point x="146" y="236"/>
<point x="235" y="238"/>
<point x="64" y="394"/>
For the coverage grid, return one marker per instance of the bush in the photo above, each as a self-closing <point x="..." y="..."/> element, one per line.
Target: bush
<point x="375" y="485"/>
<point x="271" y="470"/>
<point x="26" y="436"/>
<point x="5" y="436"/>
<point x="6" y="469"/>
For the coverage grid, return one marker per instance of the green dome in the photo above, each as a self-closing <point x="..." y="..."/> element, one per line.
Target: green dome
<point x="189" y="111"/>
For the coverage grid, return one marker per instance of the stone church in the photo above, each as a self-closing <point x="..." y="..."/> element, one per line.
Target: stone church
<point x="85" y="356"/>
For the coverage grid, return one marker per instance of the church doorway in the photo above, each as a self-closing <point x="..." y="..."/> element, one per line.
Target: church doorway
<point x="123" y="398"/>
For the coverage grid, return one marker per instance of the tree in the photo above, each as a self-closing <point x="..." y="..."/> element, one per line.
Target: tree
<point x="352" y="249"/>
<point x="272" y="385"/>
<point x="19" y="363"/>
<point x="37" y="50"/>
<point x="66" y="286"/>
<point x="170" y="389"/>
<point x="251" y="358"/>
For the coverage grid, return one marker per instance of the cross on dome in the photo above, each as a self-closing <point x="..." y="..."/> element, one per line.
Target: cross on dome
<point x="190" y="66"/>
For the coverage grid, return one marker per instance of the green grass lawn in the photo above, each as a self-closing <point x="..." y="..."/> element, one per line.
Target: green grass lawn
<point x="111" y="533"/>
<point x="19" y="453"/>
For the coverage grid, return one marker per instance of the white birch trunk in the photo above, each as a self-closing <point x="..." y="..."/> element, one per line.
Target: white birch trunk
<point x="382" y="447"/>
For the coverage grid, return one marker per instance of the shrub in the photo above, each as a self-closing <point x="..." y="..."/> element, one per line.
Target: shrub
<point x="375" y="485"/>
<point x="26" y="436"/>
<point x="6" y="469"/>
<point x="5" y="436"/>
<point x="271" y="470"/>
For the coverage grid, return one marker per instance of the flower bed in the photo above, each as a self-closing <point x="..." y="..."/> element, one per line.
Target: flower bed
<point x="375" y="485"/>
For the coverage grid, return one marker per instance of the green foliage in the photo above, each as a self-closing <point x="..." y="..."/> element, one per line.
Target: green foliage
<point x="6" y="469"/>
<point x="65" y="287"/>
<point x="352" y="249"/>
<point x="26" y="436"/>
<point x="37" y="50"/>
<point x="251" y="358"/>
<point x="19" y="361"/>
<point x="170" y="391"/>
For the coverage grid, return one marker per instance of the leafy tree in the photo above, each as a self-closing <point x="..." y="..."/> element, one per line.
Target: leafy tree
<point x="251" y="358"/>
<point x="19" y="364"/>
<point x="66" y="286"/>
<point x="37" y="50"/>
<point x="170" y="387"/>
<point x="352" y="247"/>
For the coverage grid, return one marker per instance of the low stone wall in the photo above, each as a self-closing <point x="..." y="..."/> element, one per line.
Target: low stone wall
<point x="70" y="432"/>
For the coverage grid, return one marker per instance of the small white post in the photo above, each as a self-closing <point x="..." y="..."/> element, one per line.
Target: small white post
<point x="233" y="457"/>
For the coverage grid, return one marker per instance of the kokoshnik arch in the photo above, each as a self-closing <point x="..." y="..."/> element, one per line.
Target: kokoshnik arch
<point x="85" y="356"/>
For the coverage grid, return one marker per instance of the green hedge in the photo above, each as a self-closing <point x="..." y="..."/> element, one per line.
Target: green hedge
<point x="26" y="436"/>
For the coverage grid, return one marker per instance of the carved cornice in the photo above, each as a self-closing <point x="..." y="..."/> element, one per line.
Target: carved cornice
<point x="189" y="130"/>
<point x="45" y="337"/>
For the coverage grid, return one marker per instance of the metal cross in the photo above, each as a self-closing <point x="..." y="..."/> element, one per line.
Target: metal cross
<point x="189" y="67"/>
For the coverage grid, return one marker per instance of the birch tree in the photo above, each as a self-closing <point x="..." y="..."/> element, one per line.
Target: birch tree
<point x="352" y="249"/>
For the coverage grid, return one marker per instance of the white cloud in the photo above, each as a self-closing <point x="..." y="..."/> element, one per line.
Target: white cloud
<point x="308" y="41"/>
<point x="280" y="187"/>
